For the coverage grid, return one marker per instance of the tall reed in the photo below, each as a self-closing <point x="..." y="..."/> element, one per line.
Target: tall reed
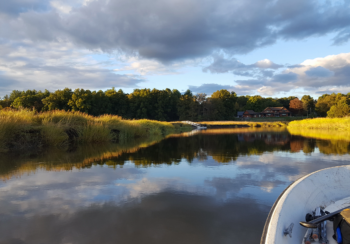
<point x="26" y="128"/>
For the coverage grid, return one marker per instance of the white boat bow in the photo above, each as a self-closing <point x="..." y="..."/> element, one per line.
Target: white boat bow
<point x="323" y="188"/>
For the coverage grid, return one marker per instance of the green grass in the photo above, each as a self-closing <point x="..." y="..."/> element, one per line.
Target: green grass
<point x="322" y="123"/>
<point x="25" y="128"/>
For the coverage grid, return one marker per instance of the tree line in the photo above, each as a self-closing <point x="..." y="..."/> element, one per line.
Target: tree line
<point x="171" y="105"/>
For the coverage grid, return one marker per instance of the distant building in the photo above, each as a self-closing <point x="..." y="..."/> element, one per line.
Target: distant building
<point x="276" y="112"/>
<point x="251" y="114"/>
<point x="268" y="112"/>
<point x="240" y="114"/>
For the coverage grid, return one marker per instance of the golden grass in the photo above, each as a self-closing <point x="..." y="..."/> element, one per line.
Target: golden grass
<point x="25" y="128"/>
<point x="322" y="123"/>
<point x="320" y="134"/>
<point x="54" y="135"/>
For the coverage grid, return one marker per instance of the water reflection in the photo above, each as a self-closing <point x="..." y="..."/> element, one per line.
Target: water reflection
<point x="199" y="187"/>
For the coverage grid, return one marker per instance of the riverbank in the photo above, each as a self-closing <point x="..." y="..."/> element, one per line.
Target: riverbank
<point x="332" y="135"/>
<point x="25" y="129"/>
<point x="322" y="123"/>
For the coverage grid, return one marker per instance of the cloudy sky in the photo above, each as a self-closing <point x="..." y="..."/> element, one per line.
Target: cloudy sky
<point x="269" y="47"/>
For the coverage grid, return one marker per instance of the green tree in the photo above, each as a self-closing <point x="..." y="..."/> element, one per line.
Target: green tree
<point x="242" y="102"/>
<point x="15" y="94"/>
<point x="5" y="101"/>
<point x="100" y="103"/>
<point x="326" y="101"/>
<point x="140" y="104"/>
<point x="58" y="100"/>
<point x="118" y="102"/>
<point x="173" y="105"/>
<point x="339" y="110"/>
<point x="187" y="109"/>
<point x="223" y="103"/>
<point x="81" y="100"/>
<point x="270" y="102"/>
<point x="255" y="103"/>
<point x="308" y="103"/>
<point x="30" y="99"/>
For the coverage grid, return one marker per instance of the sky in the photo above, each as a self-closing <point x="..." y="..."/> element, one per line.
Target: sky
<point x="272" y="48"/>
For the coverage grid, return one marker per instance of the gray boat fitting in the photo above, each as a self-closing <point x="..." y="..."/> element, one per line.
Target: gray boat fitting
<point x="327" y="188"/>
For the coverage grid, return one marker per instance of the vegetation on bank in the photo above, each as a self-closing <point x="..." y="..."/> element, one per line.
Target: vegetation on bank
<point x="320" y="134"/>
<point x="223" y="148"/>
<point x="143" y="152"/>
<point x="322" y="123"/>
<point x="25" y="128"/>
<point x="170" y="105"/>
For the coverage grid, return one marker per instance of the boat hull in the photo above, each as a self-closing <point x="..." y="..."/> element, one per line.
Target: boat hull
<point x="321" y="188"/>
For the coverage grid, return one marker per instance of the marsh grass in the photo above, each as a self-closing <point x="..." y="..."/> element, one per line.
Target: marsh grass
<point x="26" y="128"/>
<point x="332" y="135"/>
<point x="54" y="135"/>
<point x="94" y="132"/>
<point x="322" y="123"/>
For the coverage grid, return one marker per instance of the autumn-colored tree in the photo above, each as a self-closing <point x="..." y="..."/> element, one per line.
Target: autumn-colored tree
<point x="285" y="101"/>
<point x="296" y="106"/>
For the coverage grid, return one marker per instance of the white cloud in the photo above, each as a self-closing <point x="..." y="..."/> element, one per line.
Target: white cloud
<point x="148" y="67"/>
<point x="28" y="65"/>
<point x="315" y="76"/>
<point x="61" y="7"/>
<point x="267" y="64"/>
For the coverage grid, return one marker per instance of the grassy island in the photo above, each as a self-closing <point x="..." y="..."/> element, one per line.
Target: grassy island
<point x="26" y="128"/>
<point x="322" y="123"/>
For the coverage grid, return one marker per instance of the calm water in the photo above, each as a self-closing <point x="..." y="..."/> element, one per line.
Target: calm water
<point x="212" y="187"/>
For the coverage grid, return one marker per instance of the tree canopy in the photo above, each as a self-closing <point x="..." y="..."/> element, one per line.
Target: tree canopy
<point x="339" y="110"/>
<point x="170" y="105"/>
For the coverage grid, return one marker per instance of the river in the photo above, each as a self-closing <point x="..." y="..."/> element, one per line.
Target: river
<point x="214" y="186"/>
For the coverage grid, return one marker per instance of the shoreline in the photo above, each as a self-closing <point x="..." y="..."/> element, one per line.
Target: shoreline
<point x="322" y="123"/>
<point x="25" y="129"/>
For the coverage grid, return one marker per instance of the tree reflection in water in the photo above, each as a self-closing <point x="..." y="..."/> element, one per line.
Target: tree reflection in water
<point x="197" y="187"/>
<point x="223" y="145"/>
